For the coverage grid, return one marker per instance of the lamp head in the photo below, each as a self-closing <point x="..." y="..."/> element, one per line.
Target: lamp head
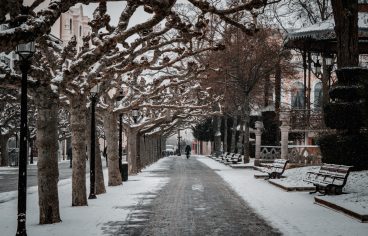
<point x="135" y="114"/>
<point x="26" y="50"/>
<point x="329" y="60"/>
<point x="95" y="90"/>
<point x="317" y="66"/>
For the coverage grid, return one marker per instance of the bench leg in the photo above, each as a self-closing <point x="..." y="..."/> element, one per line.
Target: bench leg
<point x="338" y="190"/>
<point x="270" y="176"/>
<point x="317" y="189"/>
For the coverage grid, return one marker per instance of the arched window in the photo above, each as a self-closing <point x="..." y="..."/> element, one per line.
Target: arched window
<point x="297" y="96"/>
<point x="80" y="30"/>
<point x="70" y="24"/>
<point x="318" y="94"/>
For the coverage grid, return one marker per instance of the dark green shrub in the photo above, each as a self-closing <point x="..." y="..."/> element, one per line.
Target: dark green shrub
<point x="347" y="93"/>
<point x="343" y="115"/>
<point x="345" y="150"/>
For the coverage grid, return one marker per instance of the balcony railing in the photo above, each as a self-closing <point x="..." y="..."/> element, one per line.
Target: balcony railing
<point x="303" y="119"/>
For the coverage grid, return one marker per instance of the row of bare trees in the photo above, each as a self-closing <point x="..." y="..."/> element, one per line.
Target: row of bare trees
<point x="153" y="64"/>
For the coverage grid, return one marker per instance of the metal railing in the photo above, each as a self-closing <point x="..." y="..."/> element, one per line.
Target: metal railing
<point x="304" y="154"/>
<point x="303" y="119"/>
<point x="300" y="154"/>
<point x="270" y="152"/>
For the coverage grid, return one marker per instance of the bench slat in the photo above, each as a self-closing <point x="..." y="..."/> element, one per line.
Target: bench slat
<point x="329" y="175"/>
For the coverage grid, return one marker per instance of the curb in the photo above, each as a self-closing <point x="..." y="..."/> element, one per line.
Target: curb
<point x="236" y="166"/>
<point x="292" y="189"/>
<point x="333" y="206"/>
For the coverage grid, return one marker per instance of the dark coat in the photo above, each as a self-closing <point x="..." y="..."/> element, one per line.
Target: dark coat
<point x="188" y="149"/>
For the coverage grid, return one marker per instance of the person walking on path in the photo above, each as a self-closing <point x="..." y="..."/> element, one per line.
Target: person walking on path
<point x="188" y="149"/>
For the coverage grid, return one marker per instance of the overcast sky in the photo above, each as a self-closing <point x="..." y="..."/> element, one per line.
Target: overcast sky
<point x="114" y="9"/>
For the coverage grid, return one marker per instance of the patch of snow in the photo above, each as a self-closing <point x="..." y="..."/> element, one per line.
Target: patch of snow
<point x="295" y="176"/>
<point x="325" y="29"/>
<point x="90" y="220"/>
<point x="54" y="88"/>
<point x="293" y="213"/>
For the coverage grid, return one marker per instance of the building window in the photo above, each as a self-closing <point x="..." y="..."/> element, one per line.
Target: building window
<point x="70" y="24"/>
<point x="318" y="94"/>
<point x="80" y="31"/>
<point x="297" y="96"/>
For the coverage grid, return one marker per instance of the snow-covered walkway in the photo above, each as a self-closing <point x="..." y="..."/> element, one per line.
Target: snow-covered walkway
<point x="294" y="213"/>
<point x="79" y="221"/>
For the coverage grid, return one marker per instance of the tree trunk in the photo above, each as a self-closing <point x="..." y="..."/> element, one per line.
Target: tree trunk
<point x="346" y="28"/>
<point x="47" y="143"/>
<point x="225" y="133"/>
<point x="217" y="136"/>
<point x="133" y="150"/>
<point x="138" y="153"/>
<point x="233" y="134"/>
<point x="111" y="132"/>
<point x="4" y="149"/>
<point x="241" y="136"/>
<point x="100" y="183"/>
<point x="278" y="74"/>
<point x="246" y="128"/>
<point x="78" y="126"/>
<point x="266" y="91"/>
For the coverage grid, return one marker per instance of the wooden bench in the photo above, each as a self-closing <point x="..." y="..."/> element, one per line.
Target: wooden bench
<point x="276" y="168"/>
<point x="330" y="179"/>
<point x="236" y="158"/>
<point x="223" y="155"/>
<point x="227" y="157"/>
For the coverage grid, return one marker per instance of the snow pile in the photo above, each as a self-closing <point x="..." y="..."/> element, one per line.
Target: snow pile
<point x="357" y="197"/>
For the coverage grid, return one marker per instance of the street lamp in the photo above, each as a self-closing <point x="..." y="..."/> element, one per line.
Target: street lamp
<point x="123" y="165"/>
<point x="25" y="52"/>
<point x="135" y="114"/>
<point x="94" y="93"/>
<point x="179" y="138"/>
<point x="329" y="60"/>
<point x="318" y="66"/>
<point x="329" y="63"/>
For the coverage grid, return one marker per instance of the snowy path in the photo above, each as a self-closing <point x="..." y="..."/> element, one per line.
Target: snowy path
<point x="195" y="202"/>
<point x="133" y="205"/>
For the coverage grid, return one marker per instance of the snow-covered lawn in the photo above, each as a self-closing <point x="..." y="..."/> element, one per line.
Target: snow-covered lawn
<point x="4" y="169"/>
<point x="294" y="213"/>
<point x="356" y="188"/>
<point x="294" y="177"/>
<point x="357" y="197"/>
<point x="79" y="221"/>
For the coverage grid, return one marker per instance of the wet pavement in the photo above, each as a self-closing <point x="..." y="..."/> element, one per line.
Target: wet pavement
<point x="196" y="201"/>
<point x="9" y="176"/>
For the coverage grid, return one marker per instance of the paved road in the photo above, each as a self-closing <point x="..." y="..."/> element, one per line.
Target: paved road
<point x="9" y="176"/>
<point x="196" y="201"/>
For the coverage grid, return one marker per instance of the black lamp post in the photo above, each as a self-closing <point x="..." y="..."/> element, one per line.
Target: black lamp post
<point x="92" y="166"/>
<point x="179" y="139"/>
<point x="123" y="164"/>
<point x="25" y="52"/>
